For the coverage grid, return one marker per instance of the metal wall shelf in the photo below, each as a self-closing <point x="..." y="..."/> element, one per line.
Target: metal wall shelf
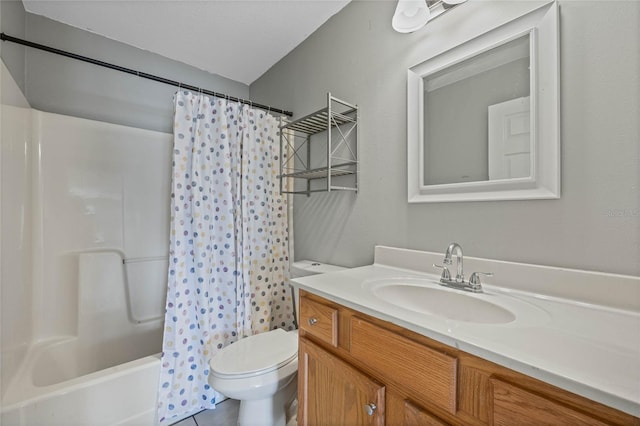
<point x="338" y="119"/>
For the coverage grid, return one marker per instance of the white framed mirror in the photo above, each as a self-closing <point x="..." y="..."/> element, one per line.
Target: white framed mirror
<point x="483" y="117"/>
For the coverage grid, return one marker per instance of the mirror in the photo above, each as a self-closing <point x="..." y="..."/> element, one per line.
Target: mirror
<point x="469" y="108"/>
<point x="483" y="116"/>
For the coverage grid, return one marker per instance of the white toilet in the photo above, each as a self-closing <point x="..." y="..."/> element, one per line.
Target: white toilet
<point x="260" y="370"/>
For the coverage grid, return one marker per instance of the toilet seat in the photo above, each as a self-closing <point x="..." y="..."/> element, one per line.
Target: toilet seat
<point x="255" y="355"/>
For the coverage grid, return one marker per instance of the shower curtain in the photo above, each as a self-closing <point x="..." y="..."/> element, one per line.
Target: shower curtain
<point x="228" y="260"/>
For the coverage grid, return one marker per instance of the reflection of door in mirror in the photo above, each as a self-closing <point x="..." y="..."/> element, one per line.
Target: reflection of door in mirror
<point x="456" y="104"/>
<point x="510" y="139"/>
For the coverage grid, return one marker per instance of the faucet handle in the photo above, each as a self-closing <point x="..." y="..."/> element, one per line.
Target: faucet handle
<point x="474" y="279"/>
<point x="446" y="275"/>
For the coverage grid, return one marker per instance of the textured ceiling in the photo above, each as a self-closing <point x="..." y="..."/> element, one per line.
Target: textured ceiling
<point x="237" y="39"/>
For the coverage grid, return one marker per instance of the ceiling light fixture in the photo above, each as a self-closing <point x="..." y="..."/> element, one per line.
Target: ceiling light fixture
<point x="411" y="15"/>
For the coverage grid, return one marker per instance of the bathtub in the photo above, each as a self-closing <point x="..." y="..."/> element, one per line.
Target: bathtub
<point x="106" y="374"/>
<point x="124" y="394"/>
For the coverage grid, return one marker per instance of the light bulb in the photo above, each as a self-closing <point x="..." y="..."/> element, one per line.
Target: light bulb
<point x="410" y="15"/>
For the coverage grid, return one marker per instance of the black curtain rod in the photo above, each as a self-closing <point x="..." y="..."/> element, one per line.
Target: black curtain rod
<point x="5" y="37"/>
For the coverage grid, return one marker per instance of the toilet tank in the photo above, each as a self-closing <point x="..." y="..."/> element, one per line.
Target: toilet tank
<point x="304" y="268"/>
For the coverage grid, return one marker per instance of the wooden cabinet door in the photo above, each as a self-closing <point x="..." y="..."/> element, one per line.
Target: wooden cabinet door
<point x="331" y="392"/>
<point x="416" y="416"/>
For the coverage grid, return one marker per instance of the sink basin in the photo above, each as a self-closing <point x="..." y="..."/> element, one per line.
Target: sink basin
<point x="425" y="295"/>
<point x="429" y="297"/>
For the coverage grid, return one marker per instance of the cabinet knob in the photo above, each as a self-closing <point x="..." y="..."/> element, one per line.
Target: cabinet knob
<point x="370" y="408"/>
<point x="313" y="321"/>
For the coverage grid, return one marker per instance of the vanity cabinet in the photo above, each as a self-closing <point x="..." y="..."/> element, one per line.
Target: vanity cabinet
<point x="358" y="370"/>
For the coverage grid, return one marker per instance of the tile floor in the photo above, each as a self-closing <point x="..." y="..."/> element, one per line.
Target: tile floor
<point x="225" y="414"/>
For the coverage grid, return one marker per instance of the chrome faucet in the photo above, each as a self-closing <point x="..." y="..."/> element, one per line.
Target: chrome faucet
<point x="458" y="282"/>
<point x="455" y="248"/>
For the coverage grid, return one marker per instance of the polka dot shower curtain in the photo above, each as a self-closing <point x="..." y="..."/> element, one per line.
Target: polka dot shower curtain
<point x="228" y="245"/>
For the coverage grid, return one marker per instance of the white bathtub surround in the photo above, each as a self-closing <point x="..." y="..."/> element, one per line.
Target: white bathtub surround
<point x="16" y="290"/>
<point x="228" y="262"/>
<point x="580" y="334"/>
<point x="83" y="320"/>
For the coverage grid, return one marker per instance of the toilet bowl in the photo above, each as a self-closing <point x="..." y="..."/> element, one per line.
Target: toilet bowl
<point x="261" y="370"/>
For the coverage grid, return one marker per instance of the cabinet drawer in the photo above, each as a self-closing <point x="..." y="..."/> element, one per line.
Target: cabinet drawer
<point x="514" y="405"/>
<point x="429" y="375"/>
<point x="319" y="320"/>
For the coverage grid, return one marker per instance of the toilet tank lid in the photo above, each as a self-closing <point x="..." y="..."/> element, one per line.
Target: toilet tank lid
<point x="256" y="354"/>
<point x="304" y="268"/>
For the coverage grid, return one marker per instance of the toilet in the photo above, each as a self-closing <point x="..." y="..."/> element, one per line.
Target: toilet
<point x="261" y="370"/>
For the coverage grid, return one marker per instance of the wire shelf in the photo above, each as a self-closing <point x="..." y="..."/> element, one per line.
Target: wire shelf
<point x="317" y="122"/>
<point x="322" y="172"/>
<point x="338" y="117"/>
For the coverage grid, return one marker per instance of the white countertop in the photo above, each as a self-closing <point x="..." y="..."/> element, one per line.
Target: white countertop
<point x="588" y="349"/>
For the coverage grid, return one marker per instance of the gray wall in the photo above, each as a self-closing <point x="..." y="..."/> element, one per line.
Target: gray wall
<point x="57" y="84"/>
<point x="13" y="22"/>
<point x="596" y="223"/>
